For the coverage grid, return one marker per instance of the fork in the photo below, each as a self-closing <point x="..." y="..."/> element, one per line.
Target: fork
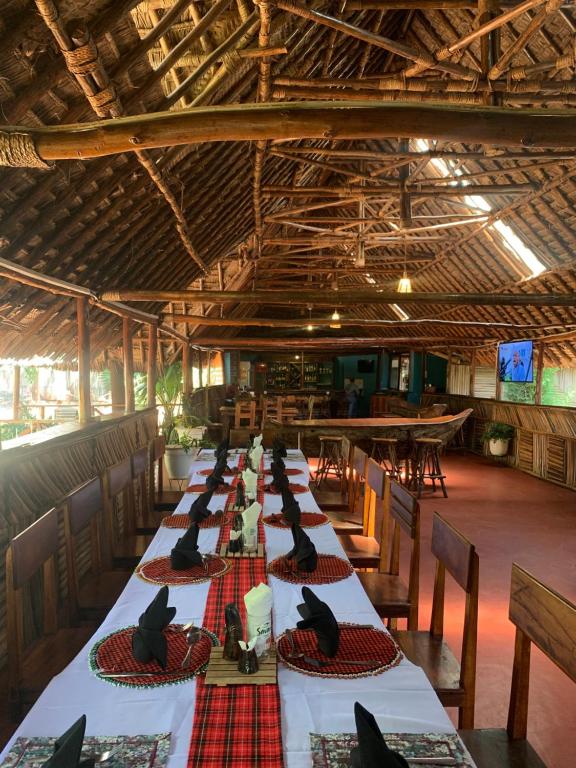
<point x="319" y="663"/>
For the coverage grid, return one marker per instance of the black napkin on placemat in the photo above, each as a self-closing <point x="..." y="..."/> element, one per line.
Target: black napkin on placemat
<point x="290" y="507"/>
<point x="185" y="554"/>
<point x="279" y="483"/>
<point x="372" y="750"/>
<point x="68" y="748"/>
<point x="213" y="481"/>
<point x="149" y="641"/>
<point x="277" y="465"/>
<point x="303" y="552"/>
<point x="199" y="510"/>
<point x="317" y="615"/>
<point x="279" y="449"/>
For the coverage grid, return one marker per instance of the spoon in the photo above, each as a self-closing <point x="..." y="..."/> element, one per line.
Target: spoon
<point x="192" y="637"/>
<point x="319" y="663"/>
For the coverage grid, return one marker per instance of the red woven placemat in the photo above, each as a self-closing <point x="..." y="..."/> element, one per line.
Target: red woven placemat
<point x="114" y="654"/>
<point x="220" y="491"/>
<point x="356" y="644"/>
<point x="289" y="471"/>
<point x="329" y="570"/>
<point x="307" y="520"/>
<point x="294" y="487"/>
<point x="183" y="521"/>
<point x="159" y="571"/>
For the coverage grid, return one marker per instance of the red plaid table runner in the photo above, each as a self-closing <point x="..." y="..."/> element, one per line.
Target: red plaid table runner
<point x="237" y="726"/>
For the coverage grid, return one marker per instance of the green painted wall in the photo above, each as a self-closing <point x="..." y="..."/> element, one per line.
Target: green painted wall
<point x="347" y="367"/>
<point x="436" y="370"/>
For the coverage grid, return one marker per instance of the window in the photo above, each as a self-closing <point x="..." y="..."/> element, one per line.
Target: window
<point x="399" y="372"/>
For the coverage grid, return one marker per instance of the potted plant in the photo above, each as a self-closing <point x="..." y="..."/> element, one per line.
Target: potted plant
<point x="178" y="456"/>
<point x="498" y="436"/>
<point x="191" y="426"/>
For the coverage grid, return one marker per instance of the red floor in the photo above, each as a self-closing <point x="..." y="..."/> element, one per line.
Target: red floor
<point x="510" y="517"/>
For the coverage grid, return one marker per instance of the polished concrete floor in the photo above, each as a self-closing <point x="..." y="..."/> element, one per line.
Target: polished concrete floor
<point x="510" y="517"/>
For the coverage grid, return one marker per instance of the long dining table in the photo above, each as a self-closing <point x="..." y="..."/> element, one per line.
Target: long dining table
<point x="401" y="698"/>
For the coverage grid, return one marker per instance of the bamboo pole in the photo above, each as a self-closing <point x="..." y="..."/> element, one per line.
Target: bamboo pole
<point x="128" y="366"/>
<point x="349" y="298"/>
<point x="16" y="393"/>
<point x="472" y="373"/>
<point x="305" y="342"/>
<point x="379" y="190"/>
<point x="249" y="122"/>
<point x="539" y="372"/>
<point x="84" y="405"/>
<point x="151" y="366"/>
<point x="186" y="370"/>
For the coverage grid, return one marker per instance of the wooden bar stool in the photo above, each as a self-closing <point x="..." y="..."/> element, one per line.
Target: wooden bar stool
<point x="32" y="666"/>
<point x="330" y="458"/>
<point x="455" y="684"/>
<point x="384" y="452"/>
<point x="426" y="465"/>
<point x="388" y="593"/>
<point x="548" y="620"/>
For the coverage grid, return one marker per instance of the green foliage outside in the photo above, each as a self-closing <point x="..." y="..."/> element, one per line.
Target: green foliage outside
<point x="513" y="392"/>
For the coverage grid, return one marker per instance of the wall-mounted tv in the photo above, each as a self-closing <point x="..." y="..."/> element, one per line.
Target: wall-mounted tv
<point x="365" y="366"/>
<point x="515" y="361"/>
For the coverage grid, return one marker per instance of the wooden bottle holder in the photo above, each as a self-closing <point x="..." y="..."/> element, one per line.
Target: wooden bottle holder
<point x="223" y="672"/>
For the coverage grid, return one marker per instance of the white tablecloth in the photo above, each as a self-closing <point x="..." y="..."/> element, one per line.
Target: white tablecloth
<point x="401" y="698"/>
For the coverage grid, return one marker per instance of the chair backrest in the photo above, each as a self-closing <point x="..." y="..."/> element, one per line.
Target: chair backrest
<point x="140" y="460"/>
<point x="346" y="448"/>
<point x="156" y="477"/>
<point x="119" y="477"/>
<point x="33" y="549"/>
<point x="455" y="554"/>
<point x="404" y="511"/>
<point x="245" y="414"/>
<point x="239" y="437"/>
<point x="545" y="618"/>
<point x="118" y="481"/>
<point x="374" y="487"/>
<point x="140" y="466"/>
<point x="83" y="508"/>
<point x="272" y="408"/>
<point x="356" y="478"/>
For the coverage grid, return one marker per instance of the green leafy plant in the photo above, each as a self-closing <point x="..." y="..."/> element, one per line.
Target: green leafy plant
<point x="168" y="396"/>
<point x="495" y="430"/>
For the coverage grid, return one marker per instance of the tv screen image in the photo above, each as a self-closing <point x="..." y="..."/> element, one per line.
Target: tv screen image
<point x="515" y="362"/>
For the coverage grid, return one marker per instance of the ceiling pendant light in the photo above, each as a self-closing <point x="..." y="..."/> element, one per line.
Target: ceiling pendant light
<point x="404" y="284"/>
<point x="310" y="327"/>
<point x="335" y="320"/>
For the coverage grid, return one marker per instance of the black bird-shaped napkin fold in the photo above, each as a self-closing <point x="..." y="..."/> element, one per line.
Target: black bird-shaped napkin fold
<point x="149" y="641"/>
<point x="278" y="449"/>
<point x="222" y="449"/>
<point x="185" y="554"/>
<point x="279" y="482"/>
<point x="303" y="551"/>
<point x="372" y="750"/>
<point x="68" y="748"/>
<point x="277" y="466"/>
<point x="214" y="480"/>
<point x="317" y="615"/>
<point x="290" y="507"/>
<point x="199" y="510"/>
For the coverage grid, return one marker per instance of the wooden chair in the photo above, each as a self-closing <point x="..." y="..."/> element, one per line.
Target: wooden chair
<point x="365" y="550"/>
<point x="125" y="544"/>
<point x="239" y="437"/>
<point x="245" y="414"/>
<point x="272" y="408"/>
<point x="545" y="618"/>
<point x="336" y="504"/>
<point x="454" y="683"/>
<point x="32" y="666"/>
<point x="389" y="595"/>
<point x="90" y="594"/>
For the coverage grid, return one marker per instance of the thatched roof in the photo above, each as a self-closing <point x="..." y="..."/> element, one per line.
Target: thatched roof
<point x="151" y="220"/>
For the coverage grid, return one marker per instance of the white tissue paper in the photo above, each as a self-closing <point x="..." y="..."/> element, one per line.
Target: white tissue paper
<point x="250" y="528"/>
<point x="247" y="646"/>
<point x="250" y="483"/>
<point x="257" y="442"/>
<point x="256" y="457"/>
<point x="258" y="604"/>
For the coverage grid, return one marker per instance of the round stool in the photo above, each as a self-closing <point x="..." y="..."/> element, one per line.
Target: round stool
<point x="330" y="459"/>
<point x="384" y="452"/>
<point x="426" y="464"/>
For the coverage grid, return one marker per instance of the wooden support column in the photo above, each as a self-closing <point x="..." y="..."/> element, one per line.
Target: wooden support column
<point x="472" y="372"/>
<point x="16" y="393"/>
<point x="498" y="382"/>
<point x="200" y="368"/>
<point x="117" y="387"/>
<point x="186" y="369"/>
<point x="206" y="389"/>
<point x="82" y="315"/>
<point x="128" y="365"/>
<point x="539" y="371"/>
<point x="448" y="371"/>
<point x="151" y="366"/>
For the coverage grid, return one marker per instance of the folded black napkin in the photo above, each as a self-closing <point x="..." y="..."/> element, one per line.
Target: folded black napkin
<point x="68" y="748"/>
<point x="303" y="551"/>
<point x="290" y="507"/>
<point x="277" y="464"/>
<point x="240" y="498"/>
<point x="372" y="751"/>
<point x="199" y="509"/>
<point x="149" y="641"/>
<point x="279" y="449"/>
<point x="222" y="449"/>
<point x="185" y="554"/>
<point x="279" y="483"/>
<point x="213" y="481"/>
<point x="317" y="615"/>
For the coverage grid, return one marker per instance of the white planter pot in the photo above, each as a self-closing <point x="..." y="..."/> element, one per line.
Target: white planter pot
<point x="194" y="433"/>
<point x="177" y="462"/>
<point x="499" y="447"/>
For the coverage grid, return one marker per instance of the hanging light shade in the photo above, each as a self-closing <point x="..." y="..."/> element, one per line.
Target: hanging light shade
<point x="310" y="327"/>
<point x="335" y="320"/>
<point x="404" y="284"/>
